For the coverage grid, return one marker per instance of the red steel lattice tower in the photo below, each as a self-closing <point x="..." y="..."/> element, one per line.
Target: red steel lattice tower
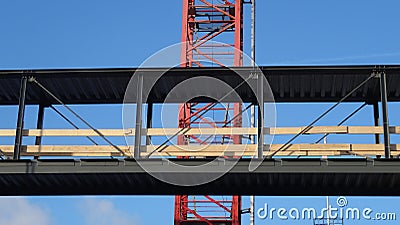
<point x="212" y="35"/>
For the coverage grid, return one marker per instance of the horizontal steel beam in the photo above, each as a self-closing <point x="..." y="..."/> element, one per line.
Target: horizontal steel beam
<point x="288" y="84"/>
<point x="356" y="177"/>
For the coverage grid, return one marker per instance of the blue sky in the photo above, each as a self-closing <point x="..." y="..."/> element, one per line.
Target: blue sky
<point x="123" y="33"/>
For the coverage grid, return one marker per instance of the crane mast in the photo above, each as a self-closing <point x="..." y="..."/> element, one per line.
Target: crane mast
<point x="212" y="35"/>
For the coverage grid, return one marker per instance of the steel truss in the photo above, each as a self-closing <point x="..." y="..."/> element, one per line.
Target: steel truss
<point x="212" y="35"/>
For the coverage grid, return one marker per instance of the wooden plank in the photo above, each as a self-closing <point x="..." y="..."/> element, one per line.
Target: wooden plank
<point x="210" y="150"/>
<point x="312" y="130"/>
<point x="7" y="132"/>
<point x="372" y="130"/>
<point x="325" y="147"/>
<point x="235" y="147"/>
<point x="326" y="129"/>
<point x="373" y="147"/>
<point x="75" y="132"/>
<point x="64" y="150"/>
<point x="365" y="130"/>
<point x="332" y="130"/>
<point x="131" y="132"/>
<point x="203" y="131"/>
<point x="304" y="153"/>
<point x="312" y="147"/>
<point x="282" y="130"/>
<point x="67" y="132"/>
<point x="367" y="147"/>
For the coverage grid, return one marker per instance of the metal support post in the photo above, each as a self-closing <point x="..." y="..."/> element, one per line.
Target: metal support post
<point x="376" y="120"/>
<point x="149" y="121"/>
<point x="20" y="120"/>
<point x="252" y="200"/>
<point x="138" y="128"/>
<point x="386" y="135"/>
<point x="39" y="124"/>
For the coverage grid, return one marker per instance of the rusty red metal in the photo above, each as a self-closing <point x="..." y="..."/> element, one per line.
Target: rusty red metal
<point x="212" y="35"/>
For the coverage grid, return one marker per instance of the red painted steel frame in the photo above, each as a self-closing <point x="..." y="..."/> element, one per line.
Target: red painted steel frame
<point x="196" y="39"/>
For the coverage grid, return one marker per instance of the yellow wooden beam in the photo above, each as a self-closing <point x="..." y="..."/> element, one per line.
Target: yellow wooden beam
<point x="203" y="131"/>
<point x="312" y="130"/>
<point x="210" y="150"/>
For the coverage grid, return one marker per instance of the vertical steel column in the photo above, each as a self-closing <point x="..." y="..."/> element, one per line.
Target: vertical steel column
<point x="260" y="98"/>
<point x="386" y="134"/>
<point x="39" y="124"/>
<point x="138" y="127"/>
<point x="20" y="120"/>
<point x="149" y="121"/>
<point x="376" y="120"/>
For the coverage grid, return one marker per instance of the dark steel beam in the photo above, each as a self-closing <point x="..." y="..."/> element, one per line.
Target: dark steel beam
<point x="113" y="83"/>
<point x="282" y="177"/>
<point x="385" y="119"/>
<point x="20" y="119"/>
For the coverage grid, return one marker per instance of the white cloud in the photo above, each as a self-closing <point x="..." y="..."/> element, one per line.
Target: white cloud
<point x="20" y="211"/>
<point x="103" y="212"/>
